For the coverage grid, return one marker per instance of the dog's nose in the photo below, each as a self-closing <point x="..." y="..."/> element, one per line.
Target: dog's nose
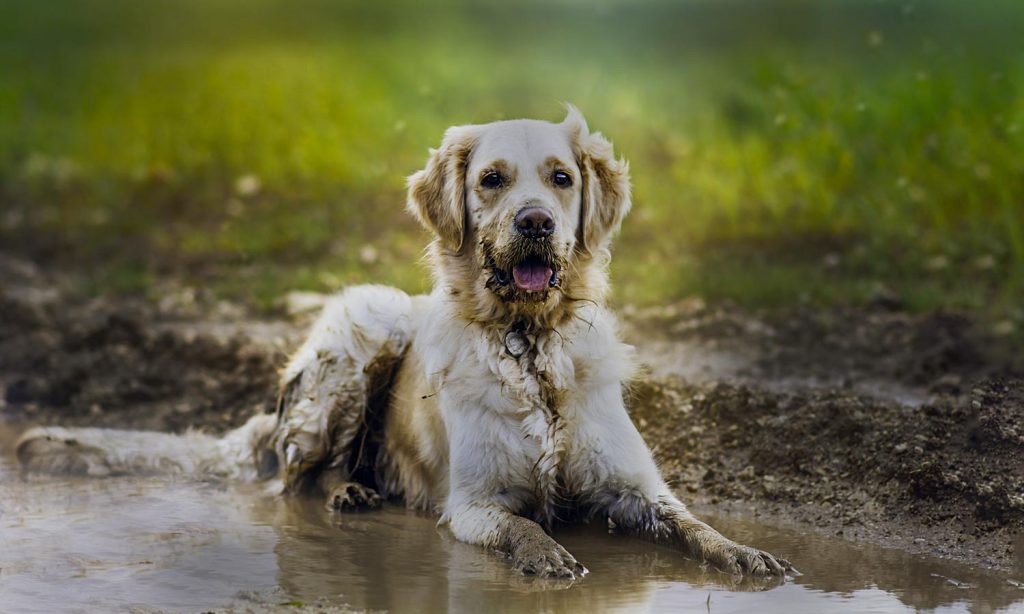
<point x="535" y="222"/>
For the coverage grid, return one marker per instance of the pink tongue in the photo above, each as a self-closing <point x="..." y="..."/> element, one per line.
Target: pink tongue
<point x="532" y="277"/>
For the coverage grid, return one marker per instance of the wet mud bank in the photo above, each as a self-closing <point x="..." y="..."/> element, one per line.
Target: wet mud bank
<point x="945" y="478"/>
<point x="876" y="425"/>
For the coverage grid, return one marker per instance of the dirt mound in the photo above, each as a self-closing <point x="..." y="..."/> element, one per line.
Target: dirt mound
<point x="121" y="364"/>
<point x="871" y="351"/>
<point x="946" y="477"/>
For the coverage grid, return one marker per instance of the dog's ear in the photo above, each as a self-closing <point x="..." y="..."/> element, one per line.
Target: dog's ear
<point x="606" y="189"/>
<point x="437" y="194"/>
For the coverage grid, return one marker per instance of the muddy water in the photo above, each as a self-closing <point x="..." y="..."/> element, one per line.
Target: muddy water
<point x="147" y="544"/>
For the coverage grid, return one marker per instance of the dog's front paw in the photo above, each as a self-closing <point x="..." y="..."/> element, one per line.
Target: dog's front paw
<point x="737" y="559"/>
<point x="547" y="559"/>
<point x="353" y="497"/>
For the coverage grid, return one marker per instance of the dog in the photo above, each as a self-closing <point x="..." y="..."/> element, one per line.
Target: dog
<point x="496" y="401"/>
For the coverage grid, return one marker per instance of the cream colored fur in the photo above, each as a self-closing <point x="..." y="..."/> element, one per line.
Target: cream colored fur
<point x="424" y="394"/>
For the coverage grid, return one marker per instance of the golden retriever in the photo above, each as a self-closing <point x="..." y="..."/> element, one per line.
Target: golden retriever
<point x="496" y="401"/>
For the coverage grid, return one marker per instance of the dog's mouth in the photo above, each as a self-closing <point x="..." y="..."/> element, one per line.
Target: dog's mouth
<point x="531" y="274"/>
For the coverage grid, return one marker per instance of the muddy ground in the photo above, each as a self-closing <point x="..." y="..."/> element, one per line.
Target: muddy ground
<point x="873" y="424"/>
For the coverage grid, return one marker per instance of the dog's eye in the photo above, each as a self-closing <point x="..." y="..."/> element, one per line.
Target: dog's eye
<point x="562" y="179"/>
<point x="492" y="180"/>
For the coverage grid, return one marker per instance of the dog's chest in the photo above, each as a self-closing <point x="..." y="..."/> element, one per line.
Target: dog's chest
<point x="536" y="379"/>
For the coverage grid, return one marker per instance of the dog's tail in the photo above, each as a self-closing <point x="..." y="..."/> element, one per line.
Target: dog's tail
<point x="240" y="454"/>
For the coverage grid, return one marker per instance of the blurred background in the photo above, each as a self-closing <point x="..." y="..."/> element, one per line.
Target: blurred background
<point x="783" y="153"/>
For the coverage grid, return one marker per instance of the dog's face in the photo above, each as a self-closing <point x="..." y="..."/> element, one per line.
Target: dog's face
<point x="523" y="201"/>
<point x="523" y="212"/>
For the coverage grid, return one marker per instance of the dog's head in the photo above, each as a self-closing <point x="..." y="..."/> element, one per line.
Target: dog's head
<point x="523" y="212"/>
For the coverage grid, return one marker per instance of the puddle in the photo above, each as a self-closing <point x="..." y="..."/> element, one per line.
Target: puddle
<point x="125" y="543"/>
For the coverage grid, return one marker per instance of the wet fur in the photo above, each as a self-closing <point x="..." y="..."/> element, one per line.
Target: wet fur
<point x="419" y="397"/>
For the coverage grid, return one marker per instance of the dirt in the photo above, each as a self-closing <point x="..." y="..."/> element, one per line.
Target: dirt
<point x="899" y="429"/>
<point x="130" y="362"/>
<point x="870" y="423"/>
<point x="945" y="478"/>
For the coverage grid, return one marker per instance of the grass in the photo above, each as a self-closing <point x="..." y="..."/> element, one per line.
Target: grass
<point x="782" y="152"/>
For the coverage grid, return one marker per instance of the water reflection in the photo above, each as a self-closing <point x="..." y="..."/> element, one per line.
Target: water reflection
<point x="399" y="561"/>
<point x="83" y="545"/>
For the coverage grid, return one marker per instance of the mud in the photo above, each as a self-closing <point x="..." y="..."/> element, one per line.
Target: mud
<point x="129" y="362"/>
<point x="872" y="424"/>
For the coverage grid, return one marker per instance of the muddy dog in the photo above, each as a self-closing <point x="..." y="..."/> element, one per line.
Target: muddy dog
<point x="496" y="401"/>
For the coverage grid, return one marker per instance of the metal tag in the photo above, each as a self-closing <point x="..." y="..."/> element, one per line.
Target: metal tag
<point x="516" y="343"/>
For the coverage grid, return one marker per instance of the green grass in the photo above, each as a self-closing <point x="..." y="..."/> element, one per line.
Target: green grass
<point x="782" y="152"/>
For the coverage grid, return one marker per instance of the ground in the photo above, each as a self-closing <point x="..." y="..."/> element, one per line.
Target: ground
<point x="869" y="422"/>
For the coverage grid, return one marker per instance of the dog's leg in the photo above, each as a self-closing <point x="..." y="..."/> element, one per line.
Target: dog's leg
<point x="479" y="507"/>
<point x="483" y="495"/>
<point x="533" y="552"/>
<point x="624" y="484"/>
<point x="666" y="521"/>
